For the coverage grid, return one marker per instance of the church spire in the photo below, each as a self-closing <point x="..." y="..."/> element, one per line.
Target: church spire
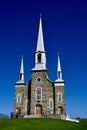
<point x="21" y="74"/>
<point x="40" y="40"/>
<point x="40" y="54"/>
<point x="59" y="71"/>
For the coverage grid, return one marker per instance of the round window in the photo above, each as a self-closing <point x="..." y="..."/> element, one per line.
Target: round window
<point x="38" y="79"/>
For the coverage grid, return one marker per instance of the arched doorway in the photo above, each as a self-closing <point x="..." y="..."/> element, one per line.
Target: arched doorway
<point x="38" y="109"/>
<point x="60" y="110"/>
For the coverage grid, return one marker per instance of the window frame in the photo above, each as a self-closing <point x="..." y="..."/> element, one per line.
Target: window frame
<point x="27" y="104"/>
<point x="51" y="102"/>
<point x="38" y="95"/>
<point x="59" y="97"/>
<point x="38" y="78"/>
<point x="19" y="98"/>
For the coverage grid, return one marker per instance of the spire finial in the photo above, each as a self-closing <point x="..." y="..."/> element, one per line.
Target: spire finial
<point x="40" y="14"/>
<point x="22" y="56"/>
<point x="58" y="54"/>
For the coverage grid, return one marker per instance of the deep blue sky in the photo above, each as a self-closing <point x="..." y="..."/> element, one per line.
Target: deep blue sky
<point x="65" y="31"/>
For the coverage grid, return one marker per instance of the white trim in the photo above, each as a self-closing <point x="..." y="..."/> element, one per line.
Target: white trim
<point x="19" y="86"/>
<point x="60" y="84"/>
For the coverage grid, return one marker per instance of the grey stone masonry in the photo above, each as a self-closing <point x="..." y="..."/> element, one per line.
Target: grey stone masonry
<point x="60" y="104"/>
<point x="47" y="91"/>
<point x="19" y="90"/>
<point x="21" y="104"/>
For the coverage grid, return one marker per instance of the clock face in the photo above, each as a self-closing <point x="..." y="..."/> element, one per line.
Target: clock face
<point x="38" y="79"/>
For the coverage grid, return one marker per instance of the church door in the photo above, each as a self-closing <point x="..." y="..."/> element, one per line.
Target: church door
<point x="38" y="109"/>
<point x="60" y="110"/>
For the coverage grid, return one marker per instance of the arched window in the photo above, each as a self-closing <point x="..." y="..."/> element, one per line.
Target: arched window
<point x="38" y="93"/>
<point x="51" y="106"/>
<point x="39" y="58"/>
<point x="19" y="98"/>
<point x="59" y="98"/>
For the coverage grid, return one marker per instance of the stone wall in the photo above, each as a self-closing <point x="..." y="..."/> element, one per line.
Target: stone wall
<point x="47" y="91"/>
<point x="19" y="105"/>
<point x="62" y="103"/>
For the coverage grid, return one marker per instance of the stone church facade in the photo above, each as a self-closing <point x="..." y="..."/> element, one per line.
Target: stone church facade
<point x="40" y="96"/>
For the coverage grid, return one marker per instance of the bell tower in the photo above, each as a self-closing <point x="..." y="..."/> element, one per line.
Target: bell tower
<point x="40" y="54"/>
<point x="19" y="92"/>
<point x="39" y="77"/>
<point x="59" y="85"/>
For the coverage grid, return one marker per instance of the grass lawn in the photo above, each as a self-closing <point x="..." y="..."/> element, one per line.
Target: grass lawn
<point x="40" y="124"/>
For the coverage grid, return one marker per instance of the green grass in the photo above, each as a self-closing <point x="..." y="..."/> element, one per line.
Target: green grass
<point x="40" y="124"/>
<point x="83" y="121"/>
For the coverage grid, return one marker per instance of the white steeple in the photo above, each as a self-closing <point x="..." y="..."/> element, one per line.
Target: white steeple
<point x="59" y="71"/>
<point x="40" y="54"/>
<point x="40" y="41"/>
<point x="20" y="82"/>
<point x="59" y="81"/>
<point x="21" y="74"/>
<point x="59" y="65"/>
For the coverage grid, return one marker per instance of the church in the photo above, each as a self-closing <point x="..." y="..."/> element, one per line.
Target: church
<point x="40" y="96"/>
